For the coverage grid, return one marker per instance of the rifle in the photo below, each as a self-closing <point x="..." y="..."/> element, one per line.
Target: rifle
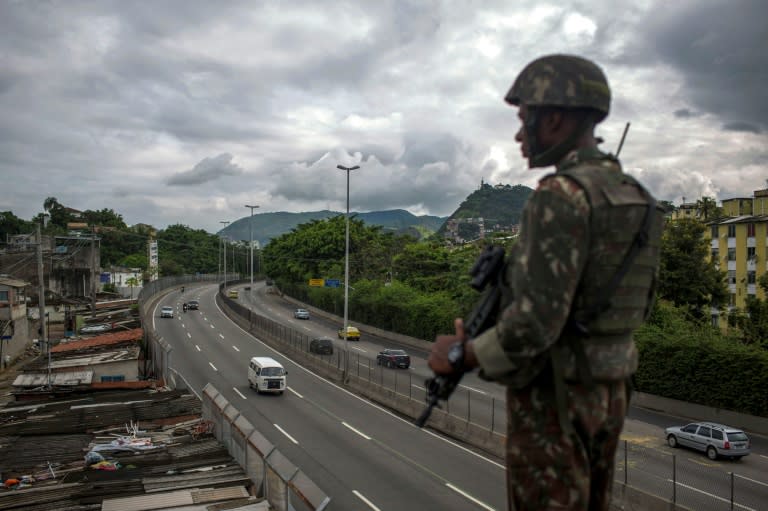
<point x="488" y="267"/>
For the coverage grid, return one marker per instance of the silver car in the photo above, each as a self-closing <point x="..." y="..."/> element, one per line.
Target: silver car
<point x="301" y="314"/>
<point x="714" y="439"/>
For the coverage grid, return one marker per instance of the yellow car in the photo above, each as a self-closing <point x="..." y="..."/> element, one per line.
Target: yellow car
<point x="233" y="293"/>
<point x="353" y="334"/>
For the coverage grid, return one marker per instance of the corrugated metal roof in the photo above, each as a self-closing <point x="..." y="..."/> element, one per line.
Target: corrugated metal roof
<point x="5" y="281"/>
<point x="107" y="339"/>
<point x="65" y="378"/>
<point x="147" y="502"/>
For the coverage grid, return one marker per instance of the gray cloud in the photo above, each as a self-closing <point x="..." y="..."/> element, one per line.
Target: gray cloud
<point x="209" y="169"/>
<point x="684" y="113"/>
<point x="742" y="126"/>
<point x="118" y="96"/>
<point x="720" y="47"/>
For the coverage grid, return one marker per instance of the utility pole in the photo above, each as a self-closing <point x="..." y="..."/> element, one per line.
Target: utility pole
<point x="93" y="271"/>
<point x="346" y="278"/>
<point x="224" y="241"/>
<point x="41" y="302"/>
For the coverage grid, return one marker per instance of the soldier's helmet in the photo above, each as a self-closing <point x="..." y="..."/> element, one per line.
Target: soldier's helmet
<point x="564" y="81"/>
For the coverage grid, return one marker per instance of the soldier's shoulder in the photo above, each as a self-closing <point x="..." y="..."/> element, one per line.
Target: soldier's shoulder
<point x="563" y="187"/>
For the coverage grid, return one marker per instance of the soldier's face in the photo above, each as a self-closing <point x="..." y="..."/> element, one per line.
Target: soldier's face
<point x="522" y="135"/>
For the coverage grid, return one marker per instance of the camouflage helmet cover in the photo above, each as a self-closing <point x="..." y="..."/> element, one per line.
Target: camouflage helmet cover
<point x="564" y="81"/>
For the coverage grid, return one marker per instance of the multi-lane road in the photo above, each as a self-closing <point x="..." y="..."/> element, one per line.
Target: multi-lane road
<point x="365" y="457"/>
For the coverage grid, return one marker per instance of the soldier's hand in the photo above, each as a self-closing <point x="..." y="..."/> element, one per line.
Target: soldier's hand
<point x="438" y="355"/>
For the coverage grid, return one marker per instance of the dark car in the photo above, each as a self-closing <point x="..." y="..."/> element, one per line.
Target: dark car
<point x="193" y="305"/>
<point x="321" y="346"/>
<point x="393" y="358"/>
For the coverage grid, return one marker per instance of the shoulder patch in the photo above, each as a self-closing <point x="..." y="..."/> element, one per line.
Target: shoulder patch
<point x="566" y="188"/>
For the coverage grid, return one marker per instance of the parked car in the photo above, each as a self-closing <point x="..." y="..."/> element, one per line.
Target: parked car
<point x="714" y="439"/>
<point x="96" y="328"/>
<point x="321" y="346"/>
<point x="353" y="334"/>
<point x="301" y="314"/>
<point x="193" y="305"/>
<point x="393" y="358"/>
<point x="166" y="312"/>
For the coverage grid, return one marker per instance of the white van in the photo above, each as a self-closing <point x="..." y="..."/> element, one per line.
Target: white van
<point x="266" y="374"/>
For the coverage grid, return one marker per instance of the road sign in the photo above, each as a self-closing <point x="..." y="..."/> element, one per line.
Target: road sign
<point x="332" y="283"/>
<point x="316" y="282"/>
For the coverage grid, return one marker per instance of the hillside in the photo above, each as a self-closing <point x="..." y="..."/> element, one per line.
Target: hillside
<point x="500" y="208"/>
<point x="270" y="225"/>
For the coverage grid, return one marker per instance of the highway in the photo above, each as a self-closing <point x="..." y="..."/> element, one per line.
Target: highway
<point x="362" y="456"/>
<point x="365" y="457"/>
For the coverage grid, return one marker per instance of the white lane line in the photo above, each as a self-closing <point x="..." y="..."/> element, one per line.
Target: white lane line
<point x="360" y="496"/>
<point x="359" y="349"/>
<point x="238" y="393"/>
<point x="281" y="430"/>
<point x="307" y="328"/>
<point x="212" y="326"/>
<point x="356" y="431"/>
<point x="291" y="389"/>
<point x="473" y="389"/>
<point x="764" y="456"/>
<point x="417" y="386"/>
<point x="213" y="366"/>
<point x="236" y="348"/>
<point x="198" y="347"/>
<point x="712" y="495"/>
<point x="189" y="335"/>
<point x="221" y="335"/>
<point x="182" y="325"/>
<point x="470" y="497"/>
<point x="751" y="480"/>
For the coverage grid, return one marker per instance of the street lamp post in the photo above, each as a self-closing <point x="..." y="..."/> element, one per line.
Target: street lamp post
<point x="346" y="275"/>
<point x="224" y="243"/>
<point x="250" y="228"/>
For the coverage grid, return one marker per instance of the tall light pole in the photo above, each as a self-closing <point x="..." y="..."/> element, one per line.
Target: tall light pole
<point x="224" y="242"/>
<point x="346" y="275"/>
<point x="250" y="228"/>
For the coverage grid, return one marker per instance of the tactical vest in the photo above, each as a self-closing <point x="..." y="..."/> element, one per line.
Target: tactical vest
<point x="618" y="206"/>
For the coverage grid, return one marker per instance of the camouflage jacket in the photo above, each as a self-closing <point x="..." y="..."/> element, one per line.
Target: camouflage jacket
<point x="576" y="231"/>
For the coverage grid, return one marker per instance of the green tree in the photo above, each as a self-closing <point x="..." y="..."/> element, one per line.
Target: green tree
<point x="687" y="276"/>
<point x="131" y="282"/>
<point x="708" y="209"/>
<point x="10" y="225"/>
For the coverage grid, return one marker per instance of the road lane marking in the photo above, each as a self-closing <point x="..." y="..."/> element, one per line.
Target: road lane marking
<point x="221" y="335"/>
<point x="361" y="497"/>
<point x="291" y="389"/>
<point x="307" y="328"/>
<point x="238" y="393"/>
<point x="284" y="432"/>
<point x="182" y="325"/>
<point x="198" y="347"/>
<point x="418" y="387"/>
<point x="212" y="326"/>
<point x="470" y="497"/>
<point x="356" y="431"/>
<point x="473" y="389"/>
<point x="359" y="349"/>
<point x="751" y="480"/>
<point x="712" y="495"/>
<point x="236" y="348"/>
<point x="214" y="367"/>
<point x="189" y="335"/>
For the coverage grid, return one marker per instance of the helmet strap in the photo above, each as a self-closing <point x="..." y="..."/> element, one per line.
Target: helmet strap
<point x="553" y="155"/>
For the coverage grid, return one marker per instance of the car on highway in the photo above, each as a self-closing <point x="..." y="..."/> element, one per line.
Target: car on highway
<point x="233" y="293"/>
<point x="710" y="437"/>
<point x="193" y="305"/>
<point x="393" y="358"/>
<point x="96" y="328"/>
<point x="301" y="314"/>
<point x="166" y="312"/>
<point x="321" y="346"/>
<point x="353" y="334"/>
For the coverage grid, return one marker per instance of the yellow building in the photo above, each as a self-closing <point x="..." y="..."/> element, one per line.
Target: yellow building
<point x="739" y="245"/>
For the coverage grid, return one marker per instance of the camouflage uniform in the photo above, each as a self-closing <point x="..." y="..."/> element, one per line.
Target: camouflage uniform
<point x="576" y="230"/>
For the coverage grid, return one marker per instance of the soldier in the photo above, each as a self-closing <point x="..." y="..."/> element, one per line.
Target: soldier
<point x="579" y="281"/>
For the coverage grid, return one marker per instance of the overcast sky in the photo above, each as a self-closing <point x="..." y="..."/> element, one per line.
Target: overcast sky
<point x="184" y="111"/>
